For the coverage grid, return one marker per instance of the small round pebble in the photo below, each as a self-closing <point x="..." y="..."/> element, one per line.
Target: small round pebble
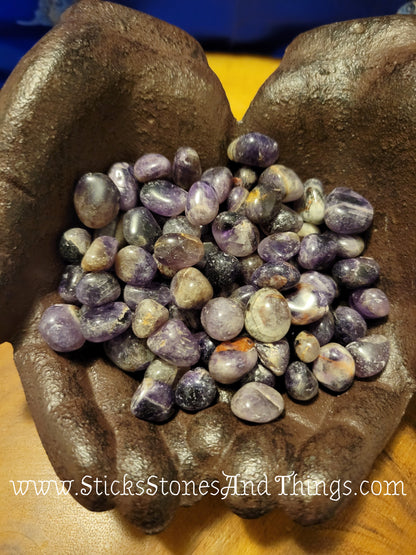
<point x="132" y="294"/>
<point x="174" y="343"/>
<point x="186" y="167"/>
<point x="253" y="149"/>
<point x="190" y="288"/>
<point x="96" y="200"/>
<point x="286" y="179"/>
<point x="349" y="325"/>
<point x="152" y="166"/>
<point x="128" y="352"/>
<point x="267" y="316"/>
<point x="196" y="390"/>
<point x="222" y="318"/>
<point x="335" y="367"/>
<point x="356" y="272"/>
<point x="148" y="317"/>
<point x="306" y="346"/>
<point x="257" y="402"/>
<point x="276" y="246"/>
<point x="74" y="244"/>
<point x="347" y="211"/>
<point x="135" y="265"/>
<point x="222" y="270"/>
<point x="102" y="323"/>
<point x="97" y="288"/>
<point x="370" y="354"/>
<point x="201" y="204"/>
<point x="371" y="303"/>
<point x="71" y="276"/>
<point x="178" y="250"/>
<point x="231" y="360"/>
<point x="306" y="304"/>
<point x="153" y="401"/>
<point x="100" y="255"/>
<point x="60" y="328"/>
<point x="221" y="180"/>
<point x="323" y="329"/>
<point x="280" y="275"/>
<point x="323" y="283"/>
<point x="140" y="228"/>
<point x="163" y="197"/>
<point x="311" y="205"/>
<point x="259" y="374"/>
<point x="300" y="382"/>
<point x="235" y="234"/>
<point x="162" y="371"/>
<point x="317" y="252"/>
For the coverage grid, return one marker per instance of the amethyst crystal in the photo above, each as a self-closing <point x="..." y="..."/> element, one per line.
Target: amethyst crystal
<point x="349" y="325"/>
<point x="253" y="149"/>
<point x="190" y="288"/>
<point x="275" y="356"/>
<point x="69" y="281"/>
<point x="285" y="220"/>
<point x="356" y="272"/>
<point x="232" y="359"/>
<point x="322" y="283"/>
<point x="60" y="328"/>
<point x="306" y="346"/>
<point x="348" y="246"/>
<point x="148" y="317"/>
<point x="259" y="374"/>
<point x="284" y="178"/>
<point x="317" y="251"/>
<point x="181" y="224"/>
<point x="306" y="304"/>
<point x="323" y="329"/>
<point x="370" y="303"/>
<point x="133" y="295"/>
<point x="221" y="179"/>
<point x="280" y="275"/>
<point x="186" y="167"/>
<point x="96" y="200"/>
<point x="222" y="270"/>
<point x="236" y="201"/>
<point x="263" y="203"/>
<point x="347" y="212"/>
<point x="100" y="255"/>
<point x="311" y="206"/>
<point x="279" y="245"/>
<point x="178" y="250"/>
<point x="163" y="197"/>
<point x="153" y="401"/>
<point x="122" y="175"/>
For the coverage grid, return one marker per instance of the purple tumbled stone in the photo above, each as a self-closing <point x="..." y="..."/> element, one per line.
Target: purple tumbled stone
<point x="279" y="245"/>
<point x="323" y="329"/>
<point x="306" y="304"/>
<point x="181" y="224"/>
<point x="321" y="282"/>
<point x="348" y="246"/>
<point x="135" y="265"/>
<point x="102" y="323"/>
<point x="69" y="281"/>
<point x="253" y="149"/>
<point x="140" y="228"/>
<point x="370" y="303"/>
<point x="98" y="288"/>
<point x="153" y="401"/>
<point x="311" y="206"/>
<point x="201" y="204"/>
<point x="222" y="270"/>
<point x="174" y="343"/>
<point x="231" y="360"/>
<point x="349" y="325"/>
<point x="267" y="315"/>
<point x="257" y="402"/>
<point x="186" y="167"/>
<point x="74" y="244"/>
<point x="284" y="178"/>
<point x="347" y="211"/>
<point x="235" y="234"/>
<point x="300" y="382"/>
<point x="196" y="390"/>
<point x="133" y="294"/>
<point x="206" y="346"/>
<point x="280" y="274"/>
<point x="100" y="255"/>
<point x="96" y="200"/>
<point x="259" y="374"/>
<point x="60" y="327"/>
<point x="317" y="251"/>
<point x="371" y="355"/>
<point x="163" y="197"/>
<point x="221" y="180"/>
<point x="178" y="250"/>
<point x="275" y="356"/>
<point x="122" y="175"/>
<point x="236" y="200"/>
<point x="356" y="272"/>
<point x="335" y="367"/>
<point x="285" y="220"/>
<point x="243" y="294"/>
<point x="152" y="166"/>
<point x="263" y="203"/>
<point x="249" y="265"/>
<point x="222" y="318"/>
<point x="128" y="352"/>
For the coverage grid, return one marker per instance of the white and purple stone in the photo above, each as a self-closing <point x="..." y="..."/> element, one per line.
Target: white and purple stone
<point x="257" y="402"/>
<point x="243" y="294"/>
<point x="162" y="371"/>
<point x="181" y="224"/>
<point x="67" y="286"/>
<point x="206" y="346"/>
<point x="306" y="346"/>
<point x="128" y="352"/>
<point x="259" y="374"/>
<point x="275" y="356"/>
<point x="135" y="265"/>
<point x="122" y="175"/>
<point x="102" y="323"/>
<point x="132" y="294"/>
<point x="153" y="401"/>
<point x="276" y="246"/>
<point x="317" y="252"/>
<point x="148" y="317"/>
<point x="196" y="390"/>
<point x="321" y="282"/>
<point x="231" y="360"/>
<point x="263" y="203"/>
<point x="370" y="354"/>
<point x="311" y="205"/>
<point x="74" y="244"/>
<point x="280" y="275"/>
<point x="60" y="327"/>
<point x="284" y="178"/>
<point x="371" y="303"/>
<point x="349" y="325"/>
<point x="235" y="234"/>
<point x="236" y="201"/>
<point x="306" y="304"/>
<point x="356" y="272"/>
<point x="174" y="343"/>
<point x="178" y="250"/>
<point x="163" y="197"/>
<point x="268" y="316"/>
<point x="221" y="180"/>
<point x="335" y="367"/>
<point x="201" y="204"/>
<point x="152" y="166"/>
<point x="96" y="200"/>
<point x="300" y="382"/>
<point x="140" y="228"/>
<point x="348" y="246"/>
<point x="245" y="177"/>
<point x="347" y="211"/>
<point x="253" y="149"/>
<point x="100" y="255"/>
<point x="222" y="318"/>
<point x="186" y="167"/>
<point x="97" y="288"/>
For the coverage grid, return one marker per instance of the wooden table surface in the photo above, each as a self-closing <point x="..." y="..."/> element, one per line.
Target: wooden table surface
<point x="53" y="523"/>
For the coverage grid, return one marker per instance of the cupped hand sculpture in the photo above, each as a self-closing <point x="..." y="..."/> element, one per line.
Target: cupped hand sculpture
<point x="109" y="84"/>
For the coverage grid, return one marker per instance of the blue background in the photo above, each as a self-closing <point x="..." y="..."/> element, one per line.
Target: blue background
<point x="255" y="27"/>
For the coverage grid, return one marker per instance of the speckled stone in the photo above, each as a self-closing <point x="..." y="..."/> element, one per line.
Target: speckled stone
<point x="67" y="286"/>
<point x="306" y="304"/>
<point x="201" y="204"/>
<point x="221" y="180"/>
<point x="284" y="178"/>
<point x="97" y="288"/>
<point x="335" y="367"/>
<point x="356" y="272"/>
<point x="60" y="327"/>
<point x="190" y="288"/>
<point x="96" y="200"/>
<point x="206" y="346"/>
<point x="102" y="323"/>
<point x="284" y="245"/>
<point x="267" y="316"/>
<point x="235" y="234"/>
<point x="274" y="356"/>
<point x="74" y="244"/>
<point x="163" y="197"/>
<point x="370" y="354"/>
<point x="349" y="325"/>
<point x="371" y="303"/>
<point x="311" y="205"/>
<point x="196" y="390"/>
<point x="148" y="317"/>
<point x="286" y="220"/>
<point x="100" y="255"/>
<point x="135" y="266"/>
<point x="280" y="275"/>
<point x="347" y="211"/>
<point x="186" y="167"/>
<point x="174" y="343"/>
<point x="140" y="228"/>
<point x="222" y="318"/>
<point x="300" y="382"/>
<point x="222" y="270"/>
<point x="162" y="371"/>
<point x="132" y="294"/>
<point x="128" y="352"/>
<point x="257" y="402"/>
<point x="231" y="360"/>
<point x="178" y="250"/>
<point x="153" y="401"/>
<point x="253" y="149"/>
<point x="306" y="346"/>
<point x="122" y="175"/>
<point x="152" y="166"/>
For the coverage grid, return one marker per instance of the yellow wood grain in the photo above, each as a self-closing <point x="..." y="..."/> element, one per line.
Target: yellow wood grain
<point x="57" y="524"/>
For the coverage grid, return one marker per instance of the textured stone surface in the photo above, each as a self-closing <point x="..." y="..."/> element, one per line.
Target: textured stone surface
<point x="336" y="89"/>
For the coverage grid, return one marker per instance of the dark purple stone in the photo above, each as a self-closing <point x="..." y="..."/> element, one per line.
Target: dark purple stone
<point x="128" y="352"/>
<point x="347" y="212"/>
<point x="317" y="252"/>
<point x="221" y="180"/>
<point x="235" y="234"/>
<point x="186" y="167"/>
<point x="370" y="303"/>
<point x="133" y="294"/>
<point x="280" y="275"/>
<point x="152" y="166"/>
<point x="74" y="244"/>
<point x="122" y="175"/>
<point x="260" y="374"/>
<point x="285" y="220"/>
<point x="201" y="204"/>
<point x="254" y="149"/>
<point x="222" y="270"/>
<point x="163" y="197"/>
<point x="135" y="266"/>
<point x="283" y="178"/>
<point x="196" y="390"/>
<point x="356" y="272"/>
<point x="236" y="200"/>
<point x="140" y="228"/>
<point x="349" y="325"/>
<point x="249" y="265"/>
<point x="181" y="224"/>
<point x="102" y="323"/>
<point x="60" y="328"/>
<point x="96" y="200"/>
<point x="69" y="281"/>
<point x="279" y="245"/>
<point x="263" y="203"/>
<point x="174" y="343"/>
<point x="153" y="401"/>
<point x="98" y="288"/>
<point x="323" y="329"/>
<point x="206" y="346"/>
<point x="300" y="382"/>
<point x="370" y="354"/>
<point x="348" y="246"/>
